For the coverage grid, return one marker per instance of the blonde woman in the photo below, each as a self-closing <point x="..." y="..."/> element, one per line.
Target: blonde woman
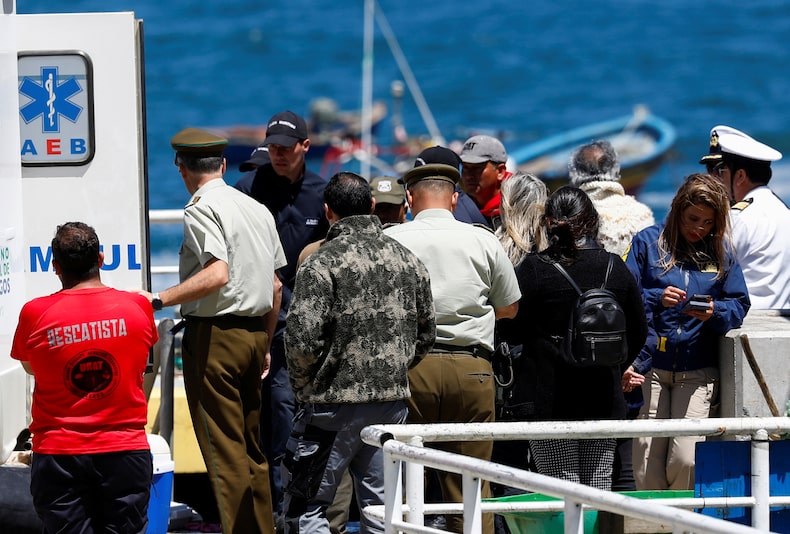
<point x="687" y="260"/>
<point x="521" y="208"/>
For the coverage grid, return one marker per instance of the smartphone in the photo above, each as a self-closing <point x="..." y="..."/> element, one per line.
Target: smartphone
<point x="697" y="303"/>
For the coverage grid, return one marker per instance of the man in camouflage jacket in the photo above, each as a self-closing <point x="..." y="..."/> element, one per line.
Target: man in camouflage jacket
<point x="361" y="315"/>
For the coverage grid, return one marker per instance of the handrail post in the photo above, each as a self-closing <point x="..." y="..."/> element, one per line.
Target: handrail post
<point x="415" y="487"/>
<point x="167" y="378"/>
<point x="473" y="511"/>
<point x="761" y="491"/>
<point x="393" y="496"/>
<point x="574" y="517"/>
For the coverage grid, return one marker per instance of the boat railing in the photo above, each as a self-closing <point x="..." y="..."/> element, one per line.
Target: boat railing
<point x="406" y="457"/>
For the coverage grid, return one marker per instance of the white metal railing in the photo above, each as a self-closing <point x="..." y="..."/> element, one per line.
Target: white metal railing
<point x="403" y="443"/>
<point x="165" y="217"/>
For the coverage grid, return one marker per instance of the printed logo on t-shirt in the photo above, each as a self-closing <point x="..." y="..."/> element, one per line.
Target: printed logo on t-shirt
<point x="92" y="374"/>
<point x="311" y="221"/>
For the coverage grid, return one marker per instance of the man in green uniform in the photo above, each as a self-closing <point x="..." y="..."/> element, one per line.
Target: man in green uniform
<point x="229" y="296"/>
<point x="473" y="284"/>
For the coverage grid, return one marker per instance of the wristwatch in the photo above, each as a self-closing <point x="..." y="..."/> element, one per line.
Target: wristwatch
<point x="156" y="302"/>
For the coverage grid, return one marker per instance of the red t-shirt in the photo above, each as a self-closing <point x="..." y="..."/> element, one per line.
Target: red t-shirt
<point x="88" y="349"/>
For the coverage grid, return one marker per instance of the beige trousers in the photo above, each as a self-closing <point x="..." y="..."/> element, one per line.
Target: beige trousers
<point x="668" y="463"/>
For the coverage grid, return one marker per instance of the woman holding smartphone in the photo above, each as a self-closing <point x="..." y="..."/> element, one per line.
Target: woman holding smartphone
<point x="694" y="292"/>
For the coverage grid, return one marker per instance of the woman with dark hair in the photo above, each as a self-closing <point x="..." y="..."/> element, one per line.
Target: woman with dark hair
<point x="566" y="392"/>
<point x="687" y="260"/>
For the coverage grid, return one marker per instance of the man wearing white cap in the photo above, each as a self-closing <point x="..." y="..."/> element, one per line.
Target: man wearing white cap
<point x="759" y="218"/>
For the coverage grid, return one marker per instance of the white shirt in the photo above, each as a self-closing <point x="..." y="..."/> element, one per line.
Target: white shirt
<point x="761" y="236"/>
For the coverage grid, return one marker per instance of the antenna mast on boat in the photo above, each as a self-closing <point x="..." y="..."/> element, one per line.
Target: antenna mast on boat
<point x="367" y="88"/>
<point x="373" y="10"/>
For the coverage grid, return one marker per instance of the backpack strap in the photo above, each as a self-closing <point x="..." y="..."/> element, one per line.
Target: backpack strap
<point x="608" y="272"/>
<point x="564" y="273"/>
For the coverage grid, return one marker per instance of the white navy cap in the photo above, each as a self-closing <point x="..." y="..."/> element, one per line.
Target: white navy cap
<point x="483" y="148"/>
<point x="728" y="140"/>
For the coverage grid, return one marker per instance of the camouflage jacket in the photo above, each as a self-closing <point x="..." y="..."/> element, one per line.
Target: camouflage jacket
<point x="361" y="315"/>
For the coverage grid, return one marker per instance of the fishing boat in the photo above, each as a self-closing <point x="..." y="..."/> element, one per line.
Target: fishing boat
<point x="642" y="140"/>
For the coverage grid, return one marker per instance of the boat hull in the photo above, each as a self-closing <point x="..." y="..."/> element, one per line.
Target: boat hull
<point x="641" y="140"/>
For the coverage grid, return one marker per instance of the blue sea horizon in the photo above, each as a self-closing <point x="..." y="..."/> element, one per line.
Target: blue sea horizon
<point x="522" y="72"/>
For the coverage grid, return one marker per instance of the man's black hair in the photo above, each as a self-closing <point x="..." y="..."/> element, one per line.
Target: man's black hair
<point x="75" y="248"/>
<point x="759" y="171"/>
<point x="348" y="194"/>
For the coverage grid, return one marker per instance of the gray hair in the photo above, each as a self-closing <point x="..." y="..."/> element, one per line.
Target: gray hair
<point x="523" y="199"/>
<point x="594" y="162"/>
<point x="199" y="163"/>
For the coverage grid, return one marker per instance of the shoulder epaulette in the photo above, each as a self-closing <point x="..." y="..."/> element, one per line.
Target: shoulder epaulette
<point x="483" y="226"/>
<point x="194" y="201"/>
<point x="743" y="204"/>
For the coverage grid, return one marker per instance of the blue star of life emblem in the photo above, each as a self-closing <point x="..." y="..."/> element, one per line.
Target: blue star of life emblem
<point x="50" y="99"/>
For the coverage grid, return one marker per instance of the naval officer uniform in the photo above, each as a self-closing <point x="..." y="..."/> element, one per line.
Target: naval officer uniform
<point x="759" y="218"/>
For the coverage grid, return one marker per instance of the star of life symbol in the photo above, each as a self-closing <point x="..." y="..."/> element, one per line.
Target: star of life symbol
<point x="50" y="99"/>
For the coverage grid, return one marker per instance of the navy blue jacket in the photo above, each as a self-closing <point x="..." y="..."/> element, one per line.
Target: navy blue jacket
<point x="467" y="211"/>
<point x="678" y="341"/>
<point x="298" y="210"/>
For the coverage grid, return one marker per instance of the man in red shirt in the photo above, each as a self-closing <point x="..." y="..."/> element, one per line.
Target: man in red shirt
<point x="87" y="347"/>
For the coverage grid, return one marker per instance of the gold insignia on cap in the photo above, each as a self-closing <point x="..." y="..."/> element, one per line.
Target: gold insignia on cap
<point x="714" y="139"/>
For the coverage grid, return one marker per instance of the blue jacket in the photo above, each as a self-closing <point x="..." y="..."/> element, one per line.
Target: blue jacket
<point x="298" y="210"/>
<point x="677" y="341"/>
<point x="467" y="211"/>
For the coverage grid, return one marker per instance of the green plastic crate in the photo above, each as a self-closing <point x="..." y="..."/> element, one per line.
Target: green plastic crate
<point x="554" y="522"/>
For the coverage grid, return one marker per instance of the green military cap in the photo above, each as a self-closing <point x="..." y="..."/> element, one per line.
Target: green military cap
<point x="387" y="190"/>
<point x="432" y="171"/>
<point x="197" y="141"/>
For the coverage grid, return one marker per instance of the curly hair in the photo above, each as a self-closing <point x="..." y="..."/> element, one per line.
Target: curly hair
<point x="594" y="162"/>
<point x="75" y="248"/>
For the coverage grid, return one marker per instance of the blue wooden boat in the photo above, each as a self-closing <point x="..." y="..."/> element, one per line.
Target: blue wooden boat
<point x="642" y="140"/>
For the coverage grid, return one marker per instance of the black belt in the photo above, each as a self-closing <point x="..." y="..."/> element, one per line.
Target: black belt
<point x="253" y="320"/>
<point x="478" y="351"/>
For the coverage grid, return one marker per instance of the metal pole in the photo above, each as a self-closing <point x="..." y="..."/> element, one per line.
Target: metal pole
<point x="415" y="487"/>
<point x="392" y="492"/>
<point x="367" y="87"/>
<point x="574" y="517"/>
<point x="167" y="378"/>
<point x="473" y="513"/>
<point x="761" y="513"/>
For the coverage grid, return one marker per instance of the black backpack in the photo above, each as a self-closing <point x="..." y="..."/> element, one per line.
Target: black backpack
<point x="596" y="327"/>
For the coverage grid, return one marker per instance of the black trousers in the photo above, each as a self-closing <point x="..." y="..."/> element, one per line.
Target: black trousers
<point x="92" y="493"/>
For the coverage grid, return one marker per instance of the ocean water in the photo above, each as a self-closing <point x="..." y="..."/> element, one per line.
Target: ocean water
<point x="521" y="71"/>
